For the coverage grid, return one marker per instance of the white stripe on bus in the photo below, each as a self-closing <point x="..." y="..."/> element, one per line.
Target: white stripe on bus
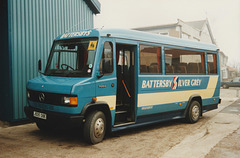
<point x="110" y="100"/>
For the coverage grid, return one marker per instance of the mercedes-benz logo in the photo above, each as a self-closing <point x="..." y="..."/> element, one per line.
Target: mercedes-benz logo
<point x="41" y="97"/>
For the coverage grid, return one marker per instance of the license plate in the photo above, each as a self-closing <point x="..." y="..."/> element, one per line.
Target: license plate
<point x="40" y="115"/>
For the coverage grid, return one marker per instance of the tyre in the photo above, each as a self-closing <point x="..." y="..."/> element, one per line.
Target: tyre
<point x="194" y="112"/>
<point x="225" y="86"/>
<point x="95" y="127"/>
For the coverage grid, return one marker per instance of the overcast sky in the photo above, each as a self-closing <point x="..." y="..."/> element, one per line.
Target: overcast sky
<point x="223" y="16"/>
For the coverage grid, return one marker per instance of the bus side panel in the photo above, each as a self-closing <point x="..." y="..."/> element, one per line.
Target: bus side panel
<point x="161" y="94"/>
<point x="211" y="103"/>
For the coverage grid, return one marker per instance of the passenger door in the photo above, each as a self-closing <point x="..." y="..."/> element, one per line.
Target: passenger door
<point x="106" y="82"/>
<point x="125" y="103"/>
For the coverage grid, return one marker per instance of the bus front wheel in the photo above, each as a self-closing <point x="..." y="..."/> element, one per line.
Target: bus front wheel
<point x="95" y="127"/>
<point x="194" y="112"/>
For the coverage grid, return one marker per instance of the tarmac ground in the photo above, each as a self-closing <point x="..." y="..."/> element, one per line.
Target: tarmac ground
<point x="216" y="134"/>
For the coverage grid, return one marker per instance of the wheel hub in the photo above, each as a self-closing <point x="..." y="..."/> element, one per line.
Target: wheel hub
<point x="195" y="112"/>
<point x="99" y="128"/>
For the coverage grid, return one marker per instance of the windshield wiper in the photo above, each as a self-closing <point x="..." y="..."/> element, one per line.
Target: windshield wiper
<point x="55" y="73"/>
<point x="76" y="74"/>
<point x="72" y="73"/>
<point x="68" y="73"/>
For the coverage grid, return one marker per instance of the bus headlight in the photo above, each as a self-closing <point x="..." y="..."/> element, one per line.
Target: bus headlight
<point x="70" y="100"/>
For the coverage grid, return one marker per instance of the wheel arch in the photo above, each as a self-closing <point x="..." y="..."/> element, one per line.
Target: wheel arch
<point x="100" y="106"/>
<point x="193" y="98"/>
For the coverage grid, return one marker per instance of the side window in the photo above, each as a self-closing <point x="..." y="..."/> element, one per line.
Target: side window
<point x="179" y="61"/>
<point x="150" y="59"/>
<point x="106" y="64"/>
<point x="212" y="63"/>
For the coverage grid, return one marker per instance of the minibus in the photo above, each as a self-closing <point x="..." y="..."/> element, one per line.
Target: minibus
<point x="106" y="80"/>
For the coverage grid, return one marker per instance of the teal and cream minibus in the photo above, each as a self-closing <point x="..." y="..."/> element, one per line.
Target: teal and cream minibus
<point x="111" y="79"/>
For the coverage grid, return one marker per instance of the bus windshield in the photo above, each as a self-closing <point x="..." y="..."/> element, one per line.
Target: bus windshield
<point x="72" y="58"/>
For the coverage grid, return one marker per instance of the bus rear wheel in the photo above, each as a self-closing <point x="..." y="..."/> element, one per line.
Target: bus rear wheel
<point x="194" y="112"/>
<point x="95" y="127"/>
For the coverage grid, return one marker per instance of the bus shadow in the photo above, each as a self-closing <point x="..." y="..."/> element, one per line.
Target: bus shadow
<point x="145" y="128"/>
<point x="74" y="137"/>
<point x="61" y="137"/>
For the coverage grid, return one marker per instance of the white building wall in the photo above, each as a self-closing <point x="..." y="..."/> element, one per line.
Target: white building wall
<point x="190" y="31"/>
<point x="205" y="36"/>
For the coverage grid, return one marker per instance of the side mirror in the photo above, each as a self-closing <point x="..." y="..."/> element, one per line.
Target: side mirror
<point x="39" y="65"/>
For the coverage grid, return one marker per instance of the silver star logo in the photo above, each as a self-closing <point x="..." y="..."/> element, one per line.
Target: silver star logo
<point x="41" y="97"/>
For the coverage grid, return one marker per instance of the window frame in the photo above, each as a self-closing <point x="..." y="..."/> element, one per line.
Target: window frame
<point x="185" y="49"/>
<point x="67" y="41"/>
<point x="216" y="62"/>
<point x="160" y="58"/>
<point x="109" y="73"/>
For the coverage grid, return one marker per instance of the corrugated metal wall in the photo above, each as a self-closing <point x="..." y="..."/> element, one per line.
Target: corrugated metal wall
<point x="33" y="25"/>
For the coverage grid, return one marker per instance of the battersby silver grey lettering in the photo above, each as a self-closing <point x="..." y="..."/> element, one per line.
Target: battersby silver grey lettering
<point x="156" y="83"/>
<point x="168" y="83"/>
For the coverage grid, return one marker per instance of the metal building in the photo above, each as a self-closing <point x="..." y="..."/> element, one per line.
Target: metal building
<point x="27" y="30"/>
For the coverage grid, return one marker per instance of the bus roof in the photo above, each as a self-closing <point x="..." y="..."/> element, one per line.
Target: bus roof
<point x="138" y="36"/>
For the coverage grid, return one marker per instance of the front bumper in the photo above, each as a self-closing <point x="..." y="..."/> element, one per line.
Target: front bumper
<point x="54" y="118"/>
